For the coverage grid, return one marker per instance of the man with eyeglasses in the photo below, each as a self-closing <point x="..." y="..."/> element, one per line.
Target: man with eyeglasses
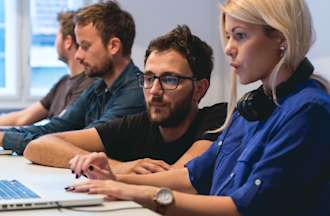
<point x="178" y="67"/>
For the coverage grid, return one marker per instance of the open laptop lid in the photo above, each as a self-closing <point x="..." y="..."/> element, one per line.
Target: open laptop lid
<point x="52" y="195"/>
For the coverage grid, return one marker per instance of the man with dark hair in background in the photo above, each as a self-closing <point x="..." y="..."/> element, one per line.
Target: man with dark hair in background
<point x="66" y="90"/>
<point x="105" y="35"/>
<point x="177" y="74"/>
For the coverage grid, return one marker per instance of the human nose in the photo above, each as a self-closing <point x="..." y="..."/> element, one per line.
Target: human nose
<point x="79" y="55"/>
<point x="230" y="49"/>
<point x="156" y="87"/>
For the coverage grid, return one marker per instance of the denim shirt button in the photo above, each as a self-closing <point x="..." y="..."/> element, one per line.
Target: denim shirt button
<point x="220" y="143"/>
<point x="257" y="182"/>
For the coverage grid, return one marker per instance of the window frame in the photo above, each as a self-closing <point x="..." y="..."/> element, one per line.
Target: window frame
<point x="10" y="54"/>
<point x="17" y="93"/>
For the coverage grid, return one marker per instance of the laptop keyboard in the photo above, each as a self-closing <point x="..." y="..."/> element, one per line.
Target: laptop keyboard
<point x="15" y="190"/>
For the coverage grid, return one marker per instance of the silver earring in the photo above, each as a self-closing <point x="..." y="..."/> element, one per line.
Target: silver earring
<point x="282" y="48"/>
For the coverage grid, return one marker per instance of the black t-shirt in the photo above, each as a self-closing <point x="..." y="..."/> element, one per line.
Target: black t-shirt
<point x="135" y="137"/>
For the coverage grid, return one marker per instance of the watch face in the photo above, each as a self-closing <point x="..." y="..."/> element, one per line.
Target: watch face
<point x="164" y="196"/>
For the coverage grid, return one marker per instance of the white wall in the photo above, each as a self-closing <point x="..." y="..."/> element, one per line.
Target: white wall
<point x="156" y="17"/>
<point x="320" y="52"/>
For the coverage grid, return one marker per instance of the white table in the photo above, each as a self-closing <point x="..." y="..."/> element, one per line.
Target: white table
<point x="17" y="167"/>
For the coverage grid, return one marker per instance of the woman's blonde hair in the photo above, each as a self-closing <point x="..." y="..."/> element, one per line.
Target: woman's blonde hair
<point x="289" y="17"/>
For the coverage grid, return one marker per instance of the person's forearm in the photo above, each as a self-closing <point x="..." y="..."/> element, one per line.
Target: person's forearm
<point x="1" y="138"/>
<point x="187" y="204"/>
<point x="190" y="205"/>
<point x="29" y="115"/>
<point x="9" y="118"/>
<point x="51" y="151"/>
<point x="198" y="148"/>
<point x="181" y="181"/>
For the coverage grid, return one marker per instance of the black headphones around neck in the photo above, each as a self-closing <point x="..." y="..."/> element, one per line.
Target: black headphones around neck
<point x="258" y="106"/>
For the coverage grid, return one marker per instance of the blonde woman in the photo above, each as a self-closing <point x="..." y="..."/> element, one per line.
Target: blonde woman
<point x="273" y="156"/>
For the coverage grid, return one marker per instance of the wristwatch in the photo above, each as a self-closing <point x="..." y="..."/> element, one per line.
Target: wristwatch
<point x="163" y="198"/>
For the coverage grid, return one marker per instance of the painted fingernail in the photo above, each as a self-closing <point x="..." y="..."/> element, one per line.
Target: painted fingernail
<point x="72" y="171"/>
<point x="91" y="168"/>
<point x="69" y="188"/>
<point x="77" y="176"/>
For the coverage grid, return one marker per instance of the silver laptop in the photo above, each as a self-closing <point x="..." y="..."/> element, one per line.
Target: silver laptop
<point x="17" y="194"/>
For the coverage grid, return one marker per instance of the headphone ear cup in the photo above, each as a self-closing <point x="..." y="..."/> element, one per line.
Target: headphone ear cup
<point x="255" y="105"/>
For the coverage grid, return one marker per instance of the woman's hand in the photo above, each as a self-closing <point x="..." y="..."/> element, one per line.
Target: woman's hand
<point x="93" y="166"/>
<point x="114" y="190"/>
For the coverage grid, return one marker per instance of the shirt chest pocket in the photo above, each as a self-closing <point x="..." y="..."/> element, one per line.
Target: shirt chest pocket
<point x="226" y="161"/>
<point x="242" y="164"/>
<point x="246" y="163"/>
<point x="227" y="157"/>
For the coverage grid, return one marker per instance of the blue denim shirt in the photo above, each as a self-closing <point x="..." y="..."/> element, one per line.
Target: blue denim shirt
<point x="280" y="166"/>
<point x="96" y="105"/>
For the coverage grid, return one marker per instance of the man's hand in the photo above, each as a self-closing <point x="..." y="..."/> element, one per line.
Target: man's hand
<point x="143" y="166"/>
<point x="94" y="166"/>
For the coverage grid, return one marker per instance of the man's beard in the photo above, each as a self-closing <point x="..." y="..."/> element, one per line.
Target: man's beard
<point x="63" y="59"/>
<point x="175" y="115"/>
<point x="106" y="68"/>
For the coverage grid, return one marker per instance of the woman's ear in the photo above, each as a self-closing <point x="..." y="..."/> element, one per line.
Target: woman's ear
<point x="114" y="45"/>
<point x="280" y="39"/>
<point x="201" y="88"/>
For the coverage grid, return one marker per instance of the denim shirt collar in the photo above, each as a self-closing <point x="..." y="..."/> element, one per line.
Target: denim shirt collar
<point x="129" y="73"/>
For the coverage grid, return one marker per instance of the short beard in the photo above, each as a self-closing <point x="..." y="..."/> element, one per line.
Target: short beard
<point x="106" y="68"/>
<point x="63" y="59"/>
<point x="177" y="115"/>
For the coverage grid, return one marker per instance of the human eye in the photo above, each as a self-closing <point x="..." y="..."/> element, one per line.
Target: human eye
<point x="84" y="46"/>
<point x="240" y="36"/>
<point x="170" y="80"/>
<point x="148" y="78"/>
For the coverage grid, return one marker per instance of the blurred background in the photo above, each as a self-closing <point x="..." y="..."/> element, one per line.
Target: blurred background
<point x="28" y="59"/>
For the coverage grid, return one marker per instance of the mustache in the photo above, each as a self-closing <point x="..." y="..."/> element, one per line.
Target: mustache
<point x="156" y="99"/>
<point x="83" y="63"/>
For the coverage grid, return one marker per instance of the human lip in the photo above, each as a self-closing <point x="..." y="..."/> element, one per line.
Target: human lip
<point x="87" y="67"/>
<point x="234" y="65"/>
<point x="156" y="104"/>
<point x="83" y="63"/>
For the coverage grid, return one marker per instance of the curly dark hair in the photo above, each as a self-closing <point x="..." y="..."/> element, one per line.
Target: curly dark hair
<point x="197" y="52"/>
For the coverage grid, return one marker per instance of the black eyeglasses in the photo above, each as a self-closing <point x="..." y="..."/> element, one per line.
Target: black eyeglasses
<point x="167" y="82"/>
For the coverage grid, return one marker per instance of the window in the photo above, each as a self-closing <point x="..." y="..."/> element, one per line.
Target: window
<point x="45" y="71"/>
<point x="2" y="44"/>
<point x="7" y="50"/>
<point x="29" y="64"/>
